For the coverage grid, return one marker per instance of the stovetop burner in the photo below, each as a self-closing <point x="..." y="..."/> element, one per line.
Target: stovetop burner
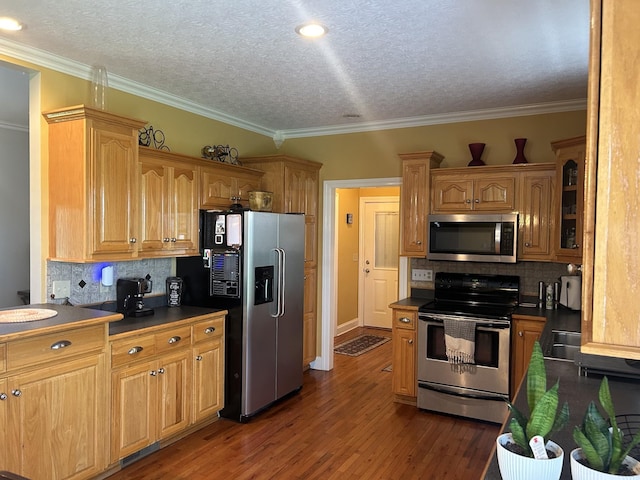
<point x="481" y="296"/>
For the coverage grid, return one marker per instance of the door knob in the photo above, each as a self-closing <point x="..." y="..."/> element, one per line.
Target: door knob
<point x="366" y="270"/>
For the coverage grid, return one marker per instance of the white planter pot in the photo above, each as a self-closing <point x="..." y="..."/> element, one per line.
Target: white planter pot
<point x="516" y="467"/>
<point x="581" y="472"/>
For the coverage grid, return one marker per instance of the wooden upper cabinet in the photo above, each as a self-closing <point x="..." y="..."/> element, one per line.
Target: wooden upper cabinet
<point x="463" y="192"/>
<point x="535" y="208"/>
<point x="414" y="201"/>
<point x="611" y="265"/>
<point x="168" y="204"/>
<point x="294" y="183"/>
<point x="224" y="184"/>
<point x="570" y="158"/>
<point x="93" y="179"/>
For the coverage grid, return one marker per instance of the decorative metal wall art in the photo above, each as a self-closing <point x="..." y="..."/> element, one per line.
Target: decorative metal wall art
<point x="221" y="153"/>
<point x="148" y="137"/>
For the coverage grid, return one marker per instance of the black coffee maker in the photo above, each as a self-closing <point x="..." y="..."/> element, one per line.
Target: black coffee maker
<point x="130" y="296"/>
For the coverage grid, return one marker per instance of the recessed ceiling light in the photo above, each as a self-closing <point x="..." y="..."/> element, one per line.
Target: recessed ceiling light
<point x="11" y="24"/>
<point x="311" y="30"/>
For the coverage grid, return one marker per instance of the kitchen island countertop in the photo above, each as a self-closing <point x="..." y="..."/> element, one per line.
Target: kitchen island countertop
<point x="67" y="317"/>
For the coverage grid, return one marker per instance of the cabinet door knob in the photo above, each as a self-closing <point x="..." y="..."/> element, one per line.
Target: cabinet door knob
<point x="199" y="358"/>
<point x="477" y="200"/>
<point x="527" y="244"/>
<point x="174" y="339"/>
<point x="153" y="373"/>
<point x="16" y="392"/>
<point x="165" y="239"/>
<point x="133" y="240"/>
<point x="3" y="396"/>
<point x="468" y="200"/>
<point x="209" y="330"/>
<point x="410" y="342"/>
<point x="161" y="370"/>
<point x="418" y="242"/>
<point x="60" y="345"/>
<point x="520" y="333"/>
<point x="134" y="350"/>
<point x="174" y="239"/>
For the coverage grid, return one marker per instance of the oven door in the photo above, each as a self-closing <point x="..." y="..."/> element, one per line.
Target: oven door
<point x="489" y="374"/>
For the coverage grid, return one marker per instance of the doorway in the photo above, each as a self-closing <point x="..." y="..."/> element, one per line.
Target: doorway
<point x="324" y="361"/>
<point x="379" y="235"/>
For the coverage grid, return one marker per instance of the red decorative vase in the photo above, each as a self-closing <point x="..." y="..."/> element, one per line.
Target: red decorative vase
<point x="520" y="150"/>
<point x="476" y="150"/>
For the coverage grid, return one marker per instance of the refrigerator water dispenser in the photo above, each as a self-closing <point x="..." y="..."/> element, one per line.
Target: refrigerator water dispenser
<point x="264" y="285"/>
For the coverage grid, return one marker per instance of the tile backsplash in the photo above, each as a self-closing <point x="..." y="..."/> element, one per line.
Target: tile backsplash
<point x="85" y="278"/>
<point x="530" y="273"/>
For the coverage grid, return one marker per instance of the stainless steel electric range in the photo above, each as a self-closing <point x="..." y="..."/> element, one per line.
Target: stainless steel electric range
<point x="479" y="388"/>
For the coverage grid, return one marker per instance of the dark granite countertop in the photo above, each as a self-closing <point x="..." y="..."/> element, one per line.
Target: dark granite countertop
<point x="66" y="318"/>
<point x="577" y="390"/>
<point x="161" y="316"/>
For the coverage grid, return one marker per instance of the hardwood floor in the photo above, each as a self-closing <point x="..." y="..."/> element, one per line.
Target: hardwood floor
<point x="343" y="425"/>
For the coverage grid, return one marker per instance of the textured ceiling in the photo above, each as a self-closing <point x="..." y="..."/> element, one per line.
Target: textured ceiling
<point x="383" y="60"/>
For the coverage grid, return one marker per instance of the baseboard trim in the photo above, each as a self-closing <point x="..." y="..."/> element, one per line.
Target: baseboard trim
<point x="347" y="326"/>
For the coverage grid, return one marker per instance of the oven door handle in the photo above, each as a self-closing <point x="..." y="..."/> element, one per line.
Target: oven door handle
<point x="446" y="391"/>
<point x="494" y="324"/>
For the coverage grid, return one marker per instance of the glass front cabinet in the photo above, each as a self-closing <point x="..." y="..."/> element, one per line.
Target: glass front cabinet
<point x="570" y="157"/>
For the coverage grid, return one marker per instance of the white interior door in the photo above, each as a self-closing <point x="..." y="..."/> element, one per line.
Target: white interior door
<point x="379" y="229"/>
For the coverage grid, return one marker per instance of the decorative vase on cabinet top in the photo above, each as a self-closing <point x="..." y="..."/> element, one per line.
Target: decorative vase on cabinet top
<point x="476" y="150"/>
<point x="520" y="158"/>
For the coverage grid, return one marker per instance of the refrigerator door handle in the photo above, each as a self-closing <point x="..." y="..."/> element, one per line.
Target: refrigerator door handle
<point x="279" y="283"/>
<point x="283" y="289"/>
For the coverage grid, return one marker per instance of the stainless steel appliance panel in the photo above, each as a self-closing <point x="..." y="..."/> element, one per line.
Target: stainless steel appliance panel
<point x="291" y="290"/>
<point x="491" y="371"/>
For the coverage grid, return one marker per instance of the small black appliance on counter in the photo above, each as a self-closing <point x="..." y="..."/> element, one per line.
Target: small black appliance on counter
<point x="130" y="296"/>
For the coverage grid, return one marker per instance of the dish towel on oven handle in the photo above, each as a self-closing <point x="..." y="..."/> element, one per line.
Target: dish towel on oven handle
<point x="460" y="340"/>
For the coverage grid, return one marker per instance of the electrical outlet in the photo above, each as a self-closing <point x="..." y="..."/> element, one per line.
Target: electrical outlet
<point x="421" y="275"/>
<point x="61" y="289"/>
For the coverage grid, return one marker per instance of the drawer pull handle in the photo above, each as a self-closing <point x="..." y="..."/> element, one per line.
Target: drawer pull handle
<point x="3" y="396"/>
<point x="16" y="392"/>
<point x="61" y="344"/>
<point x="134" y="350"/>
<point x="209" y="330"/>
<point x="404" y="320"/>
<point x="199" y="358"/>
<point x="175" y="339"/>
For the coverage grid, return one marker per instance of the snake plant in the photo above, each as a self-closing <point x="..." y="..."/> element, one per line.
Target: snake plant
<point x="601" y="441"/>
<point x="545" y="420"/>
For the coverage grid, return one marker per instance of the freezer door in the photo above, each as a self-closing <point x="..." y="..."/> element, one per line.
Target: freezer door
<point x="259" y="342"/>
<point x="290" y="322"/>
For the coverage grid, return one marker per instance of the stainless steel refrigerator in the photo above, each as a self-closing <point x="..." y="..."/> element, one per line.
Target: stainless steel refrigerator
<point x="252" y="264"/>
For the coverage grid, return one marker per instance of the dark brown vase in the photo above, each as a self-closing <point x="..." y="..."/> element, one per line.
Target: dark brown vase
<point x="476" y="150"/>
<point x="520" y="158"/>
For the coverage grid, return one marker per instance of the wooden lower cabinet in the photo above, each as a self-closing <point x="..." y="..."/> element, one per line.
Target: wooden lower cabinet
<point x="165" y="380"/>
<point x="524" y="332"/>
<point x="53" y="405"/>
<point x="404" y="374"/>
<point x="150" y="402"/>
<point x="68" y="399"/>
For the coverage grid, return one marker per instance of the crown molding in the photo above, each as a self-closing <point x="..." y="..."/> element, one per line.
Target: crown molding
<point x="80" y="70"/>
<point x="455" y="117"/>
<point x="15" y="127"/>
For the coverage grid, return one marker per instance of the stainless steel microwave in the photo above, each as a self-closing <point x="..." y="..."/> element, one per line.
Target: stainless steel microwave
<point x="473" y="237"/>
